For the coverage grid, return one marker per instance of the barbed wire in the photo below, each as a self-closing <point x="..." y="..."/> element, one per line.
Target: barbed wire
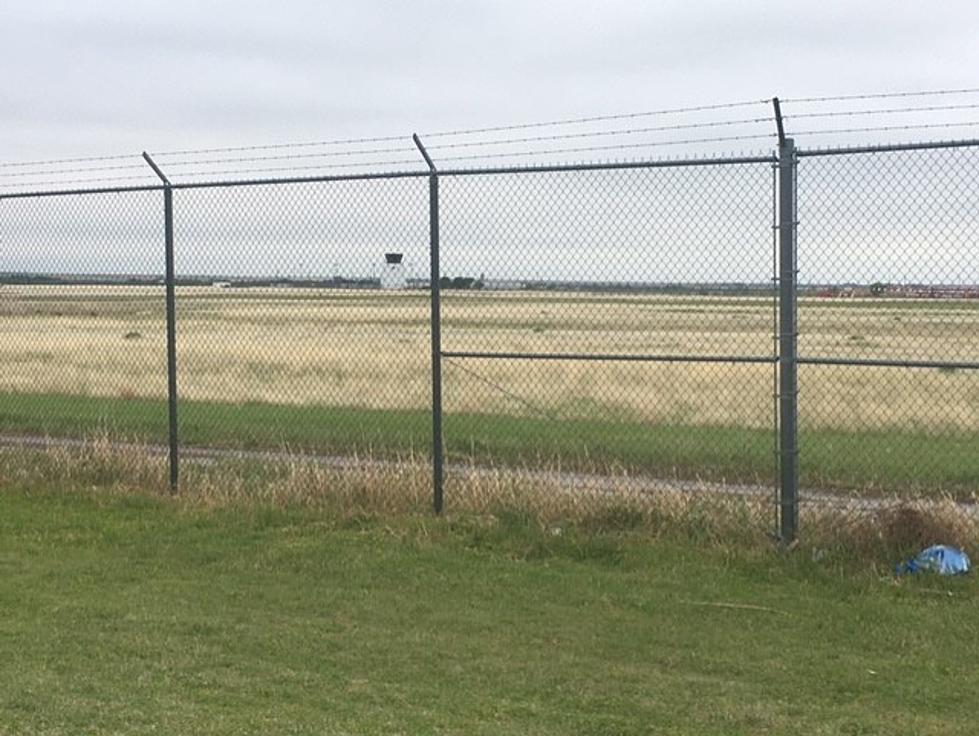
<point x="83" y="170"/>
<point x="54" y="161"/>
<point x="293" y="156"/>
<point x="395" y="163"/>
<point x="613" y="147"/>
<point x="880" y="111"/>
<point x="308" y="155"/>
<point x="886" y="128"/>
<point x="526" y="139"/>
<point x="882" y="95"/>
<point x="277" y="146"/>
<point x="596" y="119"/>
<point x="598" y="133"/>
<point x="519" y="126"/>
<point x="319" y="167"/>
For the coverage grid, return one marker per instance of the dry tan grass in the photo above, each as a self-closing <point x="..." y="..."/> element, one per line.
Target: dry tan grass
<point x="891" y="528"/>
<point x="884" y="529"/>
<point x="371" y="349"/>
<point x="388" y="488"/>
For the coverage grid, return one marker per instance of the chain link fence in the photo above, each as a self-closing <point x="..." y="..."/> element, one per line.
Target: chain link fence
<point x="889" y="331"/>
<point x="286" y="340"/>
<point x="595" y="334"/>
<point x="83" y="315"/>
<point x="622" y="326"/>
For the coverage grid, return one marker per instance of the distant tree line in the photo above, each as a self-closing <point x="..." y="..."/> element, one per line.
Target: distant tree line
<point x="460" y="282"/>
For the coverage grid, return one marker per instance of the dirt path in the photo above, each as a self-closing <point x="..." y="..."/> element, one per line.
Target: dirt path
<point x="569" y="481"/>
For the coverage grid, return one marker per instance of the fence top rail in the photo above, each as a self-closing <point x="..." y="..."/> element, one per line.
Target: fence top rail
<point x="368" y="176"/>
<point x="216" y="183"/>
<point x="613" y="165"/>
<point x="887" y="148"/>
<point x="92" y="190"/>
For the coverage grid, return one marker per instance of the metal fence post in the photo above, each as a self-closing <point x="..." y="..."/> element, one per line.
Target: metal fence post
<point x="438" y="471"/>
<point x="788" y="343"/>
<point x="170" y="280"/>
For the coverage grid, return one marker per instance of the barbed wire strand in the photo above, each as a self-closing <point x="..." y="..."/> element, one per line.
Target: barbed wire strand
<point x="885" y="128"/>
<point x="595" y="119"/>
<point x="293" y="156"/>
<point x="413" y="161"/>
<point x="526" y="139"/>
<point x="170" y="165"/>
<point x="82" y="170"/>
<point x="470" y="131"/>
<point x="618" y="146"/>
<point x="321" y="167"/>
<point x="882" y="95"/>
<point x="277" y="146"/>
<point x="497" y="128"/>
<point x="880" y="111"/>
<point x="54" y="161"/>
<point x="598" y="133"/>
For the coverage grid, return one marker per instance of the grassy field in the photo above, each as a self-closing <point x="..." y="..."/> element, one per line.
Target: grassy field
<point x="128" y="613"/>
<point x="734" y="454"/>
<point x="335" y="371"/>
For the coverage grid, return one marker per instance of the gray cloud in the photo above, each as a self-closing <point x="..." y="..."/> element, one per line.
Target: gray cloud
<point x="110" y="75"/>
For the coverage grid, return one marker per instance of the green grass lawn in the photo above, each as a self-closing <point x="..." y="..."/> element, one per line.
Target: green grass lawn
<point x="130" y="614"/>
<point x="885" y="461"/>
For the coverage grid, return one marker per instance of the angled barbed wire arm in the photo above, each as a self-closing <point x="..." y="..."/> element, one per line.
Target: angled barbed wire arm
<point x="434" y="288"/>
<point x="779" y="122"/>
<point x="424" y="153"/>
<point x="156" y="169"/>
<point x="171" y="310"/>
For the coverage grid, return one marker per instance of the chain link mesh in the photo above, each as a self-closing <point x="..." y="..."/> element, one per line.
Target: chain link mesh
<point x="593" y="323"/>
<point x="286" y="337"/>
<point x="889" y="322"/>
<point x="608" y="334"/>
<point x="82" y="317"/>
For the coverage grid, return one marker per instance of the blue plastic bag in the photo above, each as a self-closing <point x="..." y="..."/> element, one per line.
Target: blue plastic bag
<point x="940" y="558"/>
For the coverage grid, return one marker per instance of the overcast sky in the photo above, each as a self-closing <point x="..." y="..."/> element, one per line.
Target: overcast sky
<point x="120" y="76"/>
<point x="110" y="76"/>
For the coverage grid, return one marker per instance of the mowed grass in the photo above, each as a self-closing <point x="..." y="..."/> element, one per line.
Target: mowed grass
<point x="885" y="462"/>
<point x="125" y="613"/>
